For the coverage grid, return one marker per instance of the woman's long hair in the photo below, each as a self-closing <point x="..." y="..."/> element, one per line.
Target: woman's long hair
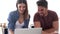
<point x="26" y="10"/>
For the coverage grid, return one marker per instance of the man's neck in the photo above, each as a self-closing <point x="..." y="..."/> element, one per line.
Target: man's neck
<point x="46" y="14"/>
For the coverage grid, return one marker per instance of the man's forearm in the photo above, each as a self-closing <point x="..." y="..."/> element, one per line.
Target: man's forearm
<point x="43" y="32"/>
<point x="50" y="30"/>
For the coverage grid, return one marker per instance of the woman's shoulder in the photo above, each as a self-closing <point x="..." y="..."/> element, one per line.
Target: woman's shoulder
<point x="14" y="15"/>
<point x="14" y="12"/>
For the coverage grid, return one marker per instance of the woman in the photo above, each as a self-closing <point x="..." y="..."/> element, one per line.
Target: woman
<point x="18" y="18"/>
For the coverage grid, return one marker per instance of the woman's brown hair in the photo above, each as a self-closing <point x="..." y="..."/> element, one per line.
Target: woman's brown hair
<point x="26" y="11"/>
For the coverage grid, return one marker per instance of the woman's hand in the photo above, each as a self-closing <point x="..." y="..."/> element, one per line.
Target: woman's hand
<point x="10" y="32"/>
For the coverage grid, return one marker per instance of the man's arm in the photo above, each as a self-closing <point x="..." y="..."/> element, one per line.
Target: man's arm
<point x="54" y="29"/>
<point x="55" y="25"/>
<point x="38" y="25"/>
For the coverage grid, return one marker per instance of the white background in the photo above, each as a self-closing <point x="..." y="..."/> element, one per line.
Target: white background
<point x="6" y="6"/>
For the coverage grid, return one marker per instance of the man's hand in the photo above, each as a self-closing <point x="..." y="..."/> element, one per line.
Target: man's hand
<point x="55" y="32"/>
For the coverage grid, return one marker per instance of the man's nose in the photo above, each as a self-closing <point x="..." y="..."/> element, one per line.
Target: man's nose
<point x="41" y="10"/>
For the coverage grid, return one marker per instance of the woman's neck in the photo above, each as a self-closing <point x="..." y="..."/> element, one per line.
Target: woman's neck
<point x="21" y="15"/>
<point x="21" y="18"/>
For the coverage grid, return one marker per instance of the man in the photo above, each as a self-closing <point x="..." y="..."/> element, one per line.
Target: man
<point x="46" y="19"/>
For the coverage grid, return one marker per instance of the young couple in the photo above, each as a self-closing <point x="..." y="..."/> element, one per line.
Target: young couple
<point x="44" y="18"/>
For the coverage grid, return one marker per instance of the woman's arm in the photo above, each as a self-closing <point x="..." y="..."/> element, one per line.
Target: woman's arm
<point x="10" y="31"/>
<point x="11" y="23"/>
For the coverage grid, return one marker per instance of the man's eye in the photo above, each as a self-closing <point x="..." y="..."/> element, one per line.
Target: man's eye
<point x="24" y="7"/>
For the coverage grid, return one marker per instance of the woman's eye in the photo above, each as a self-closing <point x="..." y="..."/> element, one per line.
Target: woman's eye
<point x="19" y="6"/>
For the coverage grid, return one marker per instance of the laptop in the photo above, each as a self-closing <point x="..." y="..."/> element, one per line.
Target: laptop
<point x="28" y="31"/>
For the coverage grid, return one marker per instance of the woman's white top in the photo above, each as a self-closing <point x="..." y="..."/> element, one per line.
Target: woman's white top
<point x="18" y="25"/>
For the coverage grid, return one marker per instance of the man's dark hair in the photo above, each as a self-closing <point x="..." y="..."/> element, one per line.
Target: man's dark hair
<point x="43" y="3"/>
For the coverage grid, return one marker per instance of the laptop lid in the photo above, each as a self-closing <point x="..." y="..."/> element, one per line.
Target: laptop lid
<point x="28" y="31"/>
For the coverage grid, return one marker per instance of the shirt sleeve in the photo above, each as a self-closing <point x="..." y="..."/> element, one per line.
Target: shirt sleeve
<point x="11" y="21"/>
<point x="55" y="17"/>
<point x="36" y="17"/>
